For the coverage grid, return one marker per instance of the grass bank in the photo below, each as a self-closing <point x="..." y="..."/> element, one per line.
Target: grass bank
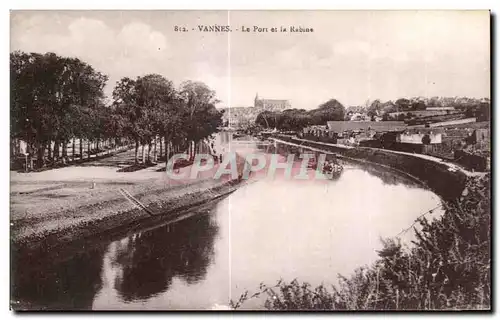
<point x="63" y="232"/>
<point x="55" y="213"/>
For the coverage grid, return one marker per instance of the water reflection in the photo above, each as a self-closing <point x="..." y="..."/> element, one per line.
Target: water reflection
<point x="388" y="176"/>
<point x="71" y="284"/>
<point x="270" y="229"/>
<point x="144" y="265"/>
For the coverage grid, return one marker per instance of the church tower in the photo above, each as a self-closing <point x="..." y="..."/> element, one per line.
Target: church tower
<point x="256" y="99"/>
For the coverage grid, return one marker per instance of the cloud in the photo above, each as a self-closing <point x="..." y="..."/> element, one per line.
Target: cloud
<point x="352" y="47"/>
<point x="140" y="38"/>
<point x="133" y="50"/>
<point x="370" y="51"/>
<point x="350" y="55"/>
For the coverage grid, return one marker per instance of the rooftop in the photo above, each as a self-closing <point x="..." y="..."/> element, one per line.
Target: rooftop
<point x="341" y="126"/>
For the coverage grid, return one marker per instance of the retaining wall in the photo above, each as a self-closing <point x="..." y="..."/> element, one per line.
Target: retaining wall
<point x="433" y="174"/>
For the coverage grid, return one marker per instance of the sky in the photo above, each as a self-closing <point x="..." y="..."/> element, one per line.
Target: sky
<point x="352" y="56"/>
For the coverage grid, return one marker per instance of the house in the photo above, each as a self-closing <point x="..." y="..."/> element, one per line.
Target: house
<point x="377" y="126"/>
<point x="319" y="133"/>
<point x="482" y="135"/>
<point x="316" y="131"/>
<point x="357" y="116"/>
<point x="422" y="140"/>
<point x="420" y="136"/>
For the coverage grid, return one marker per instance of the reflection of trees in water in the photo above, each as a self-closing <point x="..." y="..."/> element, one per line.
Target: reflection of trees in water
<point x="70" y="284"/>
<point x="184" y="249"/>
<point x="281" y="149"/>
<point x="389" y="177"/>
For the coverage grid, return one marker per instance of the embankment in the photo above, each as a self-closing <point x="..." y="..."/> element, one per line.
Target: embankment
<point x="53" y="223"/>
<point x="111" y="219"/>
<point x="433" y="173"/>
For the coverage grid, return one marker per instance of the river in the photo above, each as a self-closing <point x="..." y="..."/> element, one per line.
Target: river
<point x="272" y="228"/>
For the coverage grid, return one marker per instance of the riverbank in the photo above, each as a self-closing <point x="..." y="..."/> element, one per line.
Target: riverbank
<point x="59" y="210"/>
<point x="446" y="179"/>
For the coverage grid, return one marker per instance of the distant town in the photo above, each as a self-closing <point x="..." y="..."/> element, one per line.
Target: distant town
<point x="454" y="128"/>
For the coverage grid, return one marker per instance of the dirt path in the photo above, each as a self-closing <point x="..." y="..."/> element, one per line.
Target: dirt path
<point x="65" y="204"/>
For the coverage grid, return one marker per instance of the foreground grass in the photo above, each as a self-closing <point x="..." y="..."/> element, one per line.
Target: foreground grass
<point x="447" y="268"/>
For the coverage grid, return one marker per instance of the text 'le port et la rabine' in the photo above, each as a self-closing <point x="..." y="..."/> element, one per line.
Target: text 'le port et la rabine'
<point x="252" y="29"/>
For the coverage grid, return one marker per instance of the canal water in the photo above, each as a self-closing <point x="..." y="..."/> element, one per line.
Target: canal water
<point x="269" y="229"/>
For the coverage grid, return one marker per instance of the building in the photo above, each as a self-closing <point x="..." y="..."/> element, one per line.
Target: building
<point x="242" y="117"/>
<point x="319" y="133"/>
<point x="358" y="116"/>
<point x="271" y="104"/>
<point x="482" y="135"/>
<point x="316" y="130"/>
<point x="378" y="126"/>
<point x="420" y="136"/>
<point x="422" y="140"/>
<point x="239" y="117"/>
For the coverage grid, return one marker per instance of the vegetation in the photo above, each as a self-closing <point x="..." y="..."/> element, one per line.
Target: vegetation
<point x="296" y="119"/>
<point x="401" y="109"/>
<point x="447" y="267"/>
<point x="55" y="100"/>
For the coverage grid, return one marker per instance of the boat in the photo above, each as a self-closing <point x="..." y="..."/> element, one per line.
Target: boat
<point x="332" y="169"/>
<point x="238" y="135"/>
<point x="312" y="164"/>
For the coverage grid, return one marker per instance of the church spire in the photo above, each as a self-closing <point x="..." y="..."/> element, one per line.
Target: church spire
<point x="256" y="99"/>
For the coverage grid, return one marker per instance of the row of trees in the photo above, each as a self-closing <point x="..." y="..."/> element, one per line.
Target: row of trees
<point x="297" y="119"/>
<point x="56" y="100"/>
<point x="150" y="108"/>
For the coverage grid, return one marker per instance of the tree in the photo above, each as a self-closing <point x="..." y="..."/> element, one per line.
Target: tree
<point x="388" y="107"/>
<point x="46" y="94"/>
<point x="88" y="118"/>
<point x="297" y="119"/>
<point x="418" y="105"/>
<point x="374" y="108"/>
<point x="202" y="118"/>
<point x="402" y="104"/>
<point x="293" y="120"/>
<point x="266" y="119"/>
<point x="130" y="115"/>
<point x="332" y="110"/>
<point x="156" y="95"/>
<point x="426" y="139"/>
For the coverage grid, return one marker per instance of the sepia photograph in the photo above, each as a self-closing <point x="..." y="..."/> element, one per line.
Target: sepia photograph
<point x="250" y="160"/>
